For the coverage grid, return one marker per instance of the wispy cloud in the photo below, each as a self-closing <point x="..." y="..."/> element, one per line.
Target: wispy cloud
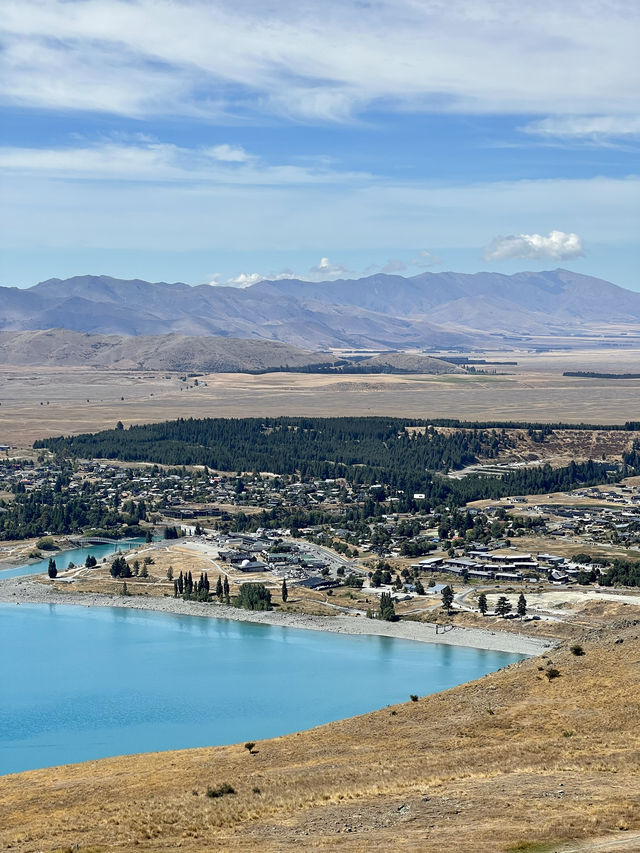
<point x="590" y="128"/>
<point x="230" y="154"/>
<point x="425" y="260"/>
<point x="394" y="265"/>
<point x="557" y="246"/>
<point x="326" y="62"/>
<point x="146" y="160"/>
<point x="328" y="217"/>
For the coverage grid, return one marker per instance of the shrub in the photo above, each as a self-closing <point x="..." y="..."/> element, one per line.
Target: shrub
<point x="253" y="596"/>
<point x="220" y="791"/>
<point x="46" y="544"/>
<point x="577" y="650"/>
<point x="552" y="673"/>
<point x="249" y="746"/>
<point x="413" y="697"/>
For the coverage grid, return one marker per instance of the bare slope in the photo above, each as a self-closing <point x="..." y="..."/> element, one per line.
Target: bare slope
<point x="411" y="363"/>
<point x="435" y="310"/>
<point x="206" y="354"/>
<point x="514" y="761"/>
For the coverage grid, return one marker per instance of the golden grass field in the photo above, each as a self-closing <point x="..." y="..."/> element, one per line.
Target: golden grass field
<point x="39" y="402"/>
<point x="512" y="762"/>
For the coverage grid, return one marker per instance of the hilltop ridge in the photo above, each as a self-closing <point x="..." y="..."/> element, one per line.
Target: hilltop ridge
<point x="430" y="310"/>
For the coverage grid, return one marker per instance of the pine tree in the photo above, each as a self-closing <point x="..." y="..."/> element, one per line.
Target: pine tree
<point x="387" y="608"/>
<point x="447" y="598"/>
<point x="175" y="589"/>
<point x="226" y="590"/>
<point x="522" y="605"/>
<point x="180" y="583"/>
<point x="285" y="591"/>
<point x="219" y="588"/>
<point x="52" y="570"/>
<point x="503" y="606"/>
<point x="482" y="603"/>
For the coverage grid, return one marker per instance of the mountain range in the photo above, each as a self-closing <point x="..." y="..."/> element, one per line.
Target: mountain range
<point x="430" y="310"/>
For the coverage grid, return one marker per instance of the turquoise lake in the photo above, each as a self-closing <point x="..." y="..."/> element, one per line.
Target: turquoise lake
<point x="77" y="556"/>
<point x="81" y="683"/>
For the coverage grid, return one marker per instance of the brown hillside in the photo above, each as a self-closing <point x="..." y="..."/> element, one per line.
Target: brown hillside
<point x="514" y="761"/>
<point x="411" y="363"/>
<point x="206" y="353"/>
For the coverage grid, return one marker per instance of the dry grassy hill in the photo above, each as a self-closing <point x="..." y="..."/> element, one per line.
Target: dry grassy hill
<point x="205" y="354"/>
<point x="516" y="761"/>
<point x="411" y="363"/>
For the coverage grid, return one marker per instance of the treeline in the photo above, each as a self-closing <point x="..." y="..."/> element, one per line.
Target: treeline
<point x="591" y="374"/>
<point x="312" y="447"/>
<point x="338" y="367"/>
<point x="366" y="452"/>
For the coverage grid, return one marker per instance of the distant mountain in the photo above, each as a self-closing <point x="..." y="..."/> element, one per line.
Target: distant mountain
<point x="431" y="310"/>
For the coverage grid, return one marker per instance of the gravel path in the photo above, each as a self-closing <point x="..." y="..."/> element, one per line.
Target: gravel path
<point x="25" y="590"/>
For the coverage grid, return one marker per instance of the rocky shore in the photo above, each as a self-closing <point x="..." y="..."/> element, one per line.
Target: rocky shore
<point x="25" y="590"/>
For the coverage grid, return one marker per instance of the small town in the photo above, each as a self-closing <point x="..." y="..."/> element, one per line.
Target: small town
<point x="309" y="546"/>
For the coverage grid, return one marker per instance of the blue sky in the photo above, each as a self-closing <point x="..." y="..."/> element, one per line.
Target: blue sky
<point x="225" y="142"/>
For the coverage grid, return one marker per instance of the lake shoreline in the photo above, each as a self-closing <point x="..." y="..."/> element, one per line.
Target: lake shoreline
<point x="22" y="590"/>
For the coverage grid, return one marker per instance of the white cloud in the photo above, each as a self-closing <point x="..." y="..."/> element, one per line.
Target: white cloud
<point x="326" y="269"/>
<point x="229" y="154"/>
<point x="558" y="246"/>
<point x="585" y="127"/>
<point x="244" y="279"/>
<point x="325" y="61"/>
<point x="425" y="260"/>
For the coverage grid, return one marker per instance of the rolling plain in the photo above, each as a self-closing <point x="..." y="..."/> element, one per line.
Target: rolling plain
<point x="44" y="401"/>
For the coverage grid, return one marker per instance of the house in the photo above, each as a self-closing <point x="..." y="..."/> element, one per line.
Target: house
<point x="253" y="566"/>
<point x="481" y="574"/>
<point x="436" y="589"/>
<point x="431" y="563"/>
<point x="509" y="576"/>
